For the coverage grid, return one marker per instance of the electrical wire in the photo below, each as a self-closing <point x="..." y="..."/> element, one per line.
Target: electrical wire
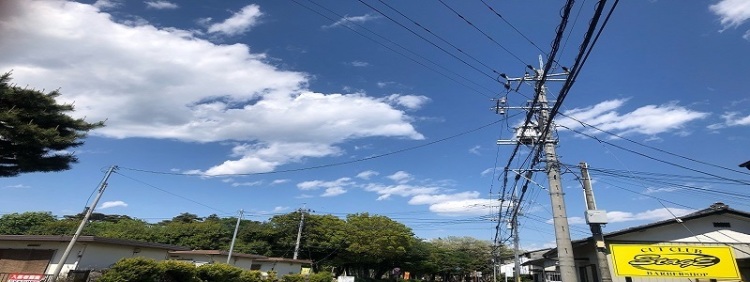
<point x="513" y="27"/>
<point x="326" y="165"/>
<point x="171" y="193"/>
<point x="398" y="52"/>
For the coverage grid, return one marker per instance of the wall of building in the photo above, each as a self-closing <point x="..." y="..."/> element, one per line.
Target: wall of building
<point x="281" y="268"/>
<point x="100" y="256"/>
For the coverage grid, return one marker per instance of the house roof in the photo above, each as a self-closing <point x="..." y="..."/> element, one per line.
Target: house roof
<point x="216" y="253"/>
<point x="92" y="239"/>
<point x="715" y="209"/>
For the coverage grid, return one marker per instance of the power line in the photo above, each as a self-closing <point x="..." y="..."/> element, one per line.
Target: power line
<point x="481" y="31"/>
<point x="398" y="52"/>
<point x="512" y="26"/>
<point x="170" y="193"/>
<point x="325" y="165"/>
<point x="427" y="40"/>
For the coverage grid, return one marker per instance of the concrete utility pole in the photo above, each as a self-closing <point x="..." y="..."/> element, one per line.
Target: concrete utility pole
<point x="234" y="236"/>
<point x="299" y="232"/>
<point x="531" y="135"/>
<point x="559" y="213"/>
<point x="85" y="220"/>
<point x="596" y="227"/>
<point x="516" y="246"/>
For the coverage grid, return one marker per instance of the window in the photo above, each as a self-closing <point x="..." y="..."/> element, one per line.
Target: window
<point x="255" y="266"/>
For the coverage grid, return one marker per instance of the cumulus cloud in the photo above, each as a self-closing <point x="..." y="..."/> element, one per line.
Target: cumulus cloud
<point x="650" y="215"/>
<point x="17" y="186"/>
<point x="464" y="207"/>
<point x="317" y="184"/>
<point x="250" y="184"/>
<point x="280" y="209"/>
<point x="412" y="102"/>
<point x="280" y="181"/>
<point x="367" y="174"/>
<point x="649" y="119"/>
<point x="112" y="204"/>
<point x="107" y="4"/>
<point x="348" y="21"/>
<point x="359" y="64"/>
<point x="401" y="177"/>
<point x="732" y="13"/>
<point x="731" y="119"/>
<point x="403" y="190"/>
<point x="221" y="93"/>
<point x="333" y="191"/>
<point x="239" y="23"/>
<point x="161" y="5"/>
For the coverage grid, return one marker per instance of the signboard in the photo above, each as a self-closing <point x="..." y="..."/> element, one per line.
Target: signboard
<point x="18" y="277"/>
<point x="675" y="261"/>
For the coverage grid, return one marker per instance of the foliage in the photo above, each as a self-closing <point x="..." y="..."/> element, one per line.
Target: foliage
<point x="136" y="269"/>
<point x="35" y="131"/>
<point x="178" y="271"/>
<point x="251" y="276"/>
<point x="323" y="276"/>
<point x="20" y="223"/>
<point x="219" y="272"/>
<point x="293" y="278"/>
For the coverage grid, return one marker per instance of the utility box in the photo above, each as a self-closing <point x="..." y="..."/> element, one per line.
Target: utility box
<point x="596" y="216"/>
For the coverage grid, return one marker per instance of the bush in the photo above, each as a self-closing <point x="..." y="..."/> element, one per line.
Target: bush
<point x="323" y="276"/>
<point x="251" y="276"/>
<point x="133" y="270"/>
<point x="178" y="271"/>
<point x="219" y="272"/>
<point x="293" y="278"/>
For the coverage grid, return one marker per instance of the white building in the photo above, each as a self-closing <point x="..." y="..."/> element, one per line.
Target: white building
<point x="39" y="254"/>
<point x="707" y="245"/>
<point x="282" y="266"/>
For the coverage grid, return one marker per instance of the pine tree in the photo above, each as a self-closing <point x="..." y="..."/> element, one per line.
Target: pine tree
<point x="35" y="131"/>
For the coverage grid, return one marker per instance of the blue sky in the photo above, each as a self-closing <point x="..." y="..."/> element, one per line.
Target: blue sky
<point x="269" y="106"/>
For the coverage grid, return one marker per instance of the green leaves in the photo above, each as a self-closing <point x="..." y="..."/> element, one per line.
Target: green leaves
<point x="34" y="129"/>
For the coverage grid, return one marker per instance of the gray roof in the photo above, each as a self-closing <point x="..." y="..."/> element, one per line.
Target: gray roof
<point x="91" y="239"/>
<point x="216" y="253"/>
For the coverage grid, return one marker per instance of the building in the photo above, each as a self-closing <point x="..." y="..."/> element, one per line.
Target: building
<point x="39" y="254"/>
<point x="707" y="245"/>
<point x="282" y="266"/>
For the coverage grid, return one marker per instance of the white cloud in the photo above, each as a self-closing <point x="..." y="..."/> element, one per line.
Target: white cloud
<point x="401" y="177"/>
<point x="161" y="4"/>
<point x="359" y="64"/>
<point x="250" y="184"/>
<point x="652" y="190"/>
<point x="733" y="13"/>
<point x="107" y="4"/>
<point x="650" y="215"/>
<point x="732" y="119"/>
<point x="333" y="191"/>
<point x="279" y="181"/>
<point x="475" y="150"/>
<point x="348" y="21"/>
<point x="412" y="102"/>
<point x="317" y="184"/>
<point x="280" y="209"/>
<point x="222" y="92"/>
<point x="367" y="174"/>
<point x="464" y="207"/>
<point x="426" y="199"/>
<point x="17" y="186"/>
<point x="649" y="119"/>
<point x="386" y="191"/>
<point x="112" y="204"/>
<point x="239" y="22"/>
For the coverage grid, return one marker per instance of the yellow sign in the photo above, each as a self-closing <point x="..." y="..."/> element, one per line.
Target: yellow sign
<point x="675" y="261"/>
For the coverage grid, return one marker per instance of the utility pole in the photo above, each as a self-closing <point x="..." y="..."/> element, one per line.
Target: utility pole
<point x="89" y="211"/>
<point x="531" y="135"/>
<point x="516" y="244"/>
<point x="234" y="236"/>
<point x="595" y="217"/>
<point x="299" y="232"/>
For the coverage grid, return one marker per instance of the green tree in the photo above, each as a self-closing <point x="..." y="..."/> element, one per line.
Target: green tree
<point x="375" y="242"/>
<point x="136" y="269"/>
<point x="35" y="131"/>
<point x="21" y="223"/>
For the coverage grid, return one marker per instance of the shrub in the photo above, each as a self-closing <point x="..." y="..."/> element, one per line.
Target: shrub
<point x="178" y="271"/>
<point x="293" y="278"/>
<point x="133" y="270"/>
<point x="323" y="276"/>
<point x="251" y="276"/>
<point x="219" y="272"/>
